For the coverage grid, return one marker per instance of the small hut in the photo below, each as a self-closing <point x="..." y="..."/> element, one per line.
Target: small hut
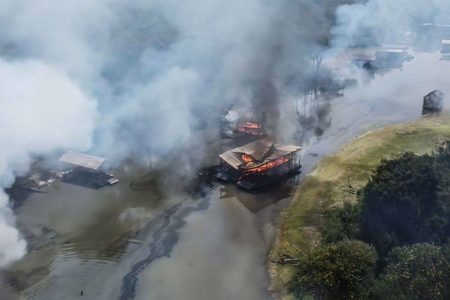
<point x="86" y="170"/>
<point x="433" y="102"/>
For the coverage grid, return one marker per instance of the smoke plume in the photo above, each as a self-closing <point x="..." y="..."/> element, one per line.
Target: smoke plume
<point x="42" y="110"/>
<point x="138" y="78"/>
<point x="121" y="78"/>
<point x="379" y="22"/>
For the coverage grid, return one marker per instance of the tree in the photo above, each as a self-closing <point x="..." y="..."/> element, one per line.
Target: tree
<point x="343" y="270"/>
<point x="407" y="201"/>
<point x="341" y="223"/>
<point x="416" y="272"/>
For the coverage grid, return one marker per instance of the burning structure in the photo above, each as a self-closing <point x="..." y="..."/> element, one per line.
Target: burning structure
<point x="249" y="127"/>
<point x="235" y="125"/>
<point x="259" y="163"/>
<point x="433" y="102"/>
<point x="37" y="179"/>
<point x="86" y="170"/>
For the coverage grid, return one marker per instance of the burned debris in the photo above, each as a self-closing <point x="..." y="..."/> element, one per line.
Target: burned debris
<point x="258" y="164"/>
<point x="78" y="168"/>
<point x="86" y="170"/>
<point x="433" y="103"/>
<point x="38" y="179"/>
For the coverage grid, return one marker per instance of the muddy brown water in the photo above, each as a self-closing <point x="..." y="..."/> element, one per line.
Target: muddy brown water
<point x="119" y="243"/>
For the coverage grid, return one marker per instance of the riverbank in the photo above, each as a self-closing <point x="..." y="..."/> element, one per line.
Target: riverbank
<point x="335" y="180"/>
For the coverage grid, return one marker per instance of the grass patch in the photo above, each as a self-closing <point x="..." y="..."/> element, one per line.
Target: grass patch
<point x="338" y="176"/>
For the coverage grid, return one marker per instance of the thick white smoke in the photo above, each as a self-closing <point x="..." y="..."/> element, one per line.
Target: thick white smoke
<point x="379" y="22"/>
<point x="12" y="246"/>
<point x="156" y="67"/>
<point x="42" y="110"/>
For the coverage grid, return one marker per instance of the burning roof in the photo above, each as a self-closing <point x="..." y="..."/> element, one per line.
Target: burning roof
<point x="83" y="160"/>
<point x="257" y="153"/>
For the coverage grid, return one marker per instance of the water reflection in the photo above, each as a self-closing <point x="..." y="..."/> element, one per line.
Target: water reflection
<point x="255" y="202"/>
<point x="133" y="241"/>
<point x="220" y="255"/>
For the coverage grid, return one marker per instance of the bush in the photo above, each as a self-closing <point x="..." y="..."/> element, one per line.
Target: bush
<point x="416" y="272"/>
<point x="407" y="201"/>
<point x="341" y="223"/>
<point x="344" y="270"/>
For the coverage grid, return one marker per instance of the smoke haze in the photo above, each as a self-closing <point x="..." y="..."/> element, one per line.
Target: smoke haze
<point x="42" y="110"/>
<point x="379" y="22"/>
<point x="123" y="78"/>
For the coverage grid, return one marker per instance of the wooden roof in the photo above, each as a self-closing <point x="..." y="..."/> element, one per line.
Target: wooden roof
<point x="263" y="151"/>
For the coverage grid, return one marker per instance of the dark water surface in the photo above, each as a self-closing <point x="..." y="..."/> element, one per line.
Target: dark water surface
<point x="119" y="243"/>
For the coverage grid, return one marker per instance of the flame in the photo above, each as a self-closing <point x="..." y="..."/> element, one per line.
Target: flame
<point x="248" y="159"/>
<point x="253" y="128"/>
<point x="254" y="125"/>
<point x="269" y="165"/>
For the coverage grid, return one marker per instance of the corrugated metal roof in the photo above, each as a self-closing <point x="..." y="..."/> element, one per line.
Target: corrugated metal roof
<point x="82" y="160"/>
<point x="263" y="151"/>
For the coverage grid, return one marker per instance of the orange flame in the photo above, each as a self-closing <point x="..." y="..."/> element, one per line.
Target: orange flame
<point x="269" y="165"/>
<point x="253" y="128"/>
<point x="254" y="125"/>
<point x="248" y="159"/>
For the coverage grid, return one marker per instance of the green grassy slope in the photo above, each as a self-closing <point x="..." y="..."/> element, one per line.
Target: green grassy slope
<point x="329" y="184"/>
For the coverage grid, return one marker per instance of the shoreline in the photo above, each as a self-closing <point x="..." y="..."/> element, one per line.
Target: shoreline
<point x="299" y="223"/>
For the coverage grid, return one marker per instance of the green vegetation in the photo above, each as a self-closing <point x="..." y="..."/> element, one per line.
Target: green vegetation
<point x="341" y="223"/>
<point x="407" y="201"/>
<point x="326" y="211"/>
<point x="343" y="270"/>
<point x="420" y="271"/>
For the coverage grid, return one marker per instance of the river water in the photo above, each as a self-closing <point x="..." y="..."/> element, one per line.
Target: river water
<point x="119" y="243"/>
